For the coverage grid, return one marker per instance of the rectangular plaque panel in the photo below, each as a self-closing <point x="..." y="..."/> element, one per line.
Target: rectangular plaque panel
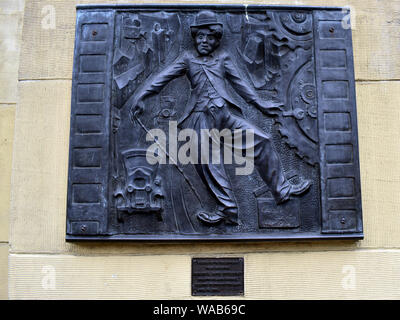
<point x="210" y="122"/>
<point x="217" y="277"/>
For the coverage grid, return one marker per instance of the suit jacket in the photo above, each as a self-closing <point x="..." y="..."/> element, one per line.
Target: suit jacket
<point x="217" y="68"/>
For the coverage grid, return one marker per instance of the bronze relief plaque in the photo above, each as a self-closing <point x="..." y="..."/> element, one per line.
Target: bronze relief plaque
<point x="205" y="122"/>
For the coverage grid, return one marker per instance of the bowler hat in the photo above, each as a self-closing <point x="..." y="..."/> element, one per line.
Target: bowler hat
<point x="205" y="18"/>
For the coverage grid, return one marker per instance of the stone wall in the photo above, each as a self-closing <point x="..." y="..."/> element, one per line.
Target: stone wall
<point x="11" y="17"/>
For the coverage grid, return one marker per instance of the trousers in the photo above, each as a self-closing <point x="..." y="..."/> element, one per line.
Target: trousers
<point x="214" y="176"/>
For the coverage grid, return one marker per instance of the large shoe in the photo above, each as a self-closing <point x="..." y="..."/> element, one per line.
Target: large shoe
<point x="295" y="190"/>
<point x="209" y="218"/>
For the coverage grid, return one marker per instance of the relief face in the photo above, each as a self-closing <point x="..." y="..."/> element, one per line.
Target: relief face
<point x="193" y="123"/>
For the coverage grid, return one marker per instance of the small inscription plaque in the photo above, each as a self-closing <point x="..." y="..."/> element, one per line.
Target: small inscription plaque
<point x="217" y="277"/>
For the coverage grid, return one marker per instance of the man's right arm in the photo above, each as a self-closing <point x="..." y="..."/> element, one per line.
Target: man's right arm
<point x="157" y="82"/>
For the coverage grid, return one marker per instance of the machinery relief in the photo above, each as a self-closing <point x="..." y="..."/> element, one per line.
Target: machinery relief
<point x="213" y="123"/>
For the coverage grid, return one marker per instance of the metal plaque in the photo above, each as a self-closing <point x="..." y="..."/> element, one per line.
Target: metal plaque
<point x="210" y="122"/>
<point x="217" y="277"/>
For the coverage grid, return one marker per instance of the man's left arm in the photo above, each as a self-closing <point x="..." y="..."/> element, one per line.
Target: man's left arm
<point x="246" y="91"/>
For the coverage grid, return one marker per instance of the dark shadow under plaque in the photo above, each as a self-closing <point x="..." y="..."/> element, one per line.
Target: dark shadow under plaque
<point x="205" y="122"/>
<point x="217" y="277"/>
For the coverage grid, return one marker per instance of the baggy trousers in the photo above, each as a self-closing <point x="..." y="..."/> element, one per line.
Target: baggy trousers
<point x="213" y="175"/>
